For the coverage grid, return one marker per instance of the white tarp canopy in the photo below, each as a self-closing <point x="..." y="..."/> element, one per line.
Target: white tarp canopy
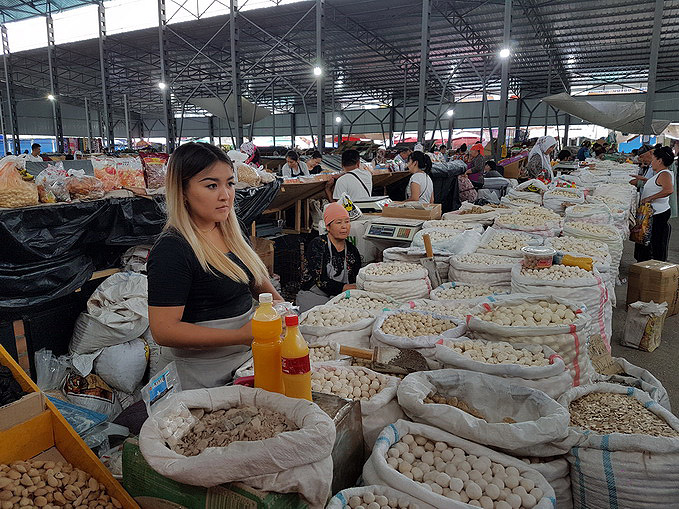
<point x="627" y="117"/>
<point x="226" y="108"/>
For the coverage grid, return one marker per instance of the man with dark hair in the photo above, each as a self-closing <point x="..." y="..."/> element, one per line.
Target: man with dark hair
<point x="354" y="181"/>
<point x="644" y="157"/>
<point x="401" y="158"/>
<point x="35" y="153"/>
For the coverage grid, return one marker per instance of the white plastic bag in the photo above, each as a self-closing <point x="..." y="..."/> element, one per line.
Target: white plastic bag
<point x="553" y="380"/>
<point x="117" y="312"/>
<point x="341" y="499"/>
<point x="294" y="461"/>
<point x="569" y="341"/>
<point x="481" y="273"/>
<point x="590" y="292"/>
<point x="540" y="426"/>
<point x="377" y="471"/>
<point x="624" y="471"/>
<point x="123" y="366"/>
<point x="411" y="285"/>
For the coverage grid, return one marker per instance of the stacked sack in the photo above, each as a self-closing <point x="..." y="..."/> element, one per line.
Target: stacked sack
<point x="506" y="243"/>
<point x="605" y="233"/>
<point x="414" y="255"/>
<point x="449" y="240"/>
<point x="481" y="268"/>
<point x="559" y="198"/>
<point x="400" y="280"/>
<point x="533" y="220"/>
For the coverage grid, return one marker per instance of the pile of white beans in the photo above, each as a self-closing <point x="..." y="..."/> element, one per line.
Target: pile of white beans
<point x="391" y="268"/>
<point x="540" y="314"/>
<point x="448" y="223"/>
<point x="364" y="302"/>
<point x="507" y="241"/>
<point x="372" y="501"/>
<point x="457" y="309"/>
<point x="412" y="325"/>
<point x="321" y="353"/>
<point x="333" y="316"/>
<point x="595" y="249"/>
<point x="558" y="273"/>
<point x="564" y="192"/>
<point x="357" y="383"/>
<point x="443" y="234"/>
<point x="483" y="259"/>
<point x="497" y="352"/>
<point x="598" y="229"/>
<point x="529" y="217"/>
<point x="464" y="291"/>
<point x="452" y="473"/>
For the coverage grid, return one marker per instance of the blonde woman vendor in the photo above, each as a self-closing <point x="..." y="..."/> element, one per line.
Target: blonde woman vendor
<point x="420" y="187"/>
<point x="202" y="274"/>
<point x="332" y="262"/>
<point x="539" y="161"/>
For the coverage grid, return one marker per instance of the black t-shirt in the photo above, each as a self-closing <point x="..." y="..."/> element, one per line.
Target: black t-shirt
<point x="176" y="278"/>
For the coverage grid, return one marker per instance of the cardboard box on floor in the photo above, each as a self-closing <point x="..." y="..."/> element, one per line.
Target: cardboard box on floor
<point x="654" y="281"/>
<point x="154" y="491"/>
<point x="405" y="210"/>
<point x="40" y="431"/>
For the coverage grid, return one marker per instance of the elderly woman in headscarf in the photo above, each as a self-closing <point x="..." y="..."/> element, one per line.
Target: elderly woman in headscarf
<point x="539" y="163"/>
<point x="250" y="149"/>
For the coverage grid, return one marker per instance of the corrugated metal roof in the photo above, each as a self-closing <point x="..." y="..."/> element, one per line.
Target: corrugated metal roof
<point x="13" y="10"/>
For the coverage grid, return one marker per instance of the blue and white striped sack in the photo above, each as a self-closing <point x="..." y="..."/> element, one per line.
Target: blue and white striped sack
<point x="624" y="471"/>
<point x="403" y="500"/>
<point x="377" y="471"/>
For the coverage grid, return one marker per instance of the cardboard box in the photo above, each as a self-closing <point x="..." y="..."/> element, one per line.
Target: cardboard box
<point x="396" y="209"/>
<point x="265" y="250"/>
<point x="23" y="409"/>
<point x="655" y="281"/>
<point x="47" y="434"/>
<point x="152" y="490"/>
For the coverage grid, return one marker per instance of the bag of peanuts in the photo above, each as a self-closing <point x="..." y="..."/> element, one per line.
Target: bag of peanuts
<point x="494" y="321"/>
<point x="538" y="368"/>
<point x="481" y="268"/>
<point x="487" y="410"/>
<point x="414" y="329"/>
<point x="399" y="280"/>
<point x="414" y="255"/>
<point x="376" y="392"/>
<point x="295" y="461"/>
<point x="557" y="473"/>
<point x="572" y="283"/>
<point x="448" y="472"/>
<point x="385" y="497"/>
<point x="629" y="452"/>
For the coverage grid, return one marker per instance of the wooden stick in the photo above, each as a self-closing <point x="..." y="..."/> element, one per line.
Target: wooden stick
<point x="360" y="353"/>
<point x="427" y="245"/>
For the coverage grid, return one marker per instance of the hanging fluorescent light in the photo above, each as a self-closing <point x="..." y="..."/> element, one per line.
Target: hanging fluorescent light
<point x="162" y="85"/>
<point x="51" y="97"/>
<point x="450" y="112"/>
<point x="338" y="119"/>
<point x="504" y="53"/>
<point x="318" y="71"/>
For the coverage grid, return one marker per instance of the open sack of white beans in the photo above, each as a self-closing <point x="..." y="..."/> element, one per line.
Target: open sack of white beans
<point x="399" y="280"/>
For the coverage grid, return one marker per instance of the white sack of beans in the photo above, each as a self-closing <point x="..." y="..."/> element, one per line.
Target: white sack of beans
<point x="399" y="280"/>
<point x="414" y="329"/>
<point x="382" y="497"/>
<point x="450" y="471"/>
<point x="540" y="320"/>
<point x="481" y="269"/>
<point x="624" y="470"/>
<point x="573" y="283"/>
<point x="449" y="241"/>
<point x="558" y="198"/>
<point x="529" y="196"/>
<point x="414" y="255"/>
<point x="506" y="243"/>
<point x="336" y="324"/>
<point x="604" y="233"/>
<point x="515" y="419"/>
<point x="360" y="299"/>
<point x="556" y="472"/>
<point x="474" y="214"/>
<point x="457" y="309"/>
<point x="465" y="291"/>
<point x="497" y="358"/>
<point x="589" y="213"/>
<point x="375" y="391"/>
<point x="535" y="220"/>
<point x="448" y="224"/>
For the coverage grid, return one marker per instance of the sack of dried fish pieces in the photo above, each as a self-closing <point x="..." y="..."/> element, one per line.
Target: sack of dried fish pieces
<point x="628" y="452"/>
<point x="487" y="410"/>
<point x="256" y="437"/>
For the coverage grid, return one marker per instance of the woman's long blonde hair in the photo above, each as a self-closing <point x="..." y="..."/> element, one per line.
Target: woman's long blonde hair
<point x="185" y="162"/>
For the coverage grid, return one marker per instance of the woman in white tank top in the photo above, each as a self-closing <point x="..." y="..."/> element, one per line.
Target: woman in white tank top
<point x="420" y="187"/>
<point x="657" y="191"/>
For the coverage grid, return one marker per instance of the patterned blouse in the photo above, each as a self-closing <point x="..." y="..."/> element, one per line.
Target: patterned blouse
<point x="315" y="270"/>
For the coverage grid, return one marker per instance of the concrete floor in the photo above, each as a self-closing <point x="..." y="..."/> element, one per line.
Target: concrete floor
<point x="664" y="361"/>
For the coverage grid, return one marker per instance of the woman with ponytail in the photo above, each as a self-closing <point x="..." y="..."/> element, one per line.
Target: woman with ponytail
<point x="421" y="187"/>
<point x="202" y="273"/>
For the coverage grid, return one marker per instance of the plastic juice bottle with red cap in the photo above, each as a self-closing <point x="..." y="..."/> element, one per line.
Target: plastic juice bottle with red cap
<point x="266" y="345"/>
<point x="295" y="363"/>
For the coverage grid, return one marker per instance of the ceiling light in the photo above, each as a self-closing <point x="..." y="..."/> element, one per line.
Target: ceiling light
<point x="318" y="71"/>
<point x="450" y="112"/>
<point x="51" y="97"/>
<point x="338" y="119"/>
<point x="504" y="53"/>
<point x="162" y="86"/>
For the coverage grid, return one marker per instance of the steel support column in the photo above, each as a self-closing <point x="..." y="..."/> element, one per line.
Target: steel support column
<point x="170" y="133"/>
<point x="9" y="81"/>
<point x="320" y="99"/>
<point x="549" y="92"/>
<point x="405" y="100"/>
<point x="424" y="67"/>
<point x="653" y="68"/>
<point x="504" y="83"/>
<point x="104" y="67"/>
<point x="235" y="71"/>
<point x="89" y="125"/>
<point x="128" y="133"/>
<point x="392" y="122"/>
<point x="211" y="128"/>
<point x="451" y="126"/>
<point x="293" y="129"/>
<point x="567" y="125"/>
<point x="517" y="119"/>
<point x="54" y="85"/>
<point x="3" y="131"/>
<point x="273" y="113"/>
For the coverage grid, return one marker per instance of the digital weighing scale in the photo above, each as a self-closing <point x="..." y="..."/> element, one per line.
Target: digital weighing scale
<point x="392" y="229"/>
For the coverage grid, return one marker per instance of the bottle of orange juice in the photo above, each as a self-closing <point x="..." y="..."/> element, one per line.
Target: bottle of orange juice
<point x="295" y="361"/>
<point x="266" y="345"/>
